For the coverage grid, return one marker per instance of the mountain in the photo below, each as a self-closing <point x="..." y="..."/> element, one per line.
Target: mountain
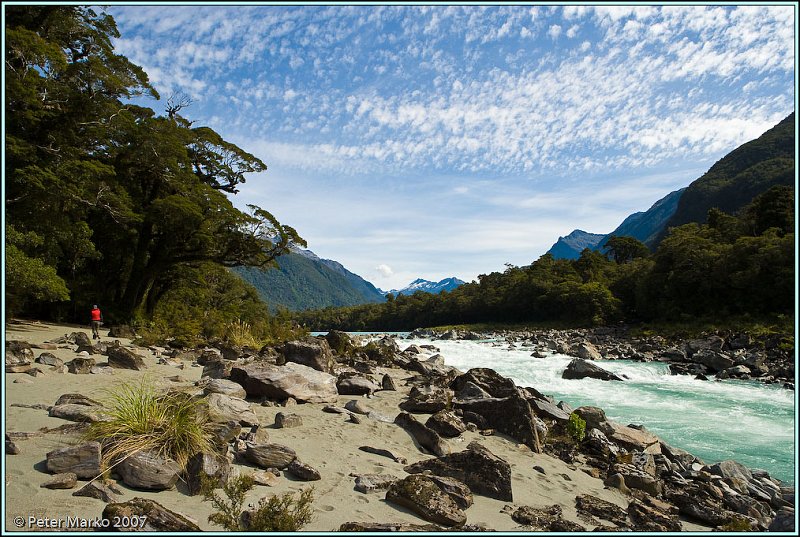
<point x="304" y="281"/>
<point x="571" y="246"/>
<point x="741" y="175"/>
<point x="427" y="286"/>
<point x="729" y="185"/>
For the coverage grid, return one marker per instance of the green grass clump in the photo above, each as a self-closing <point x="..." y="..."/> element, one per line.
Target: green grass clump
<point x="576" y="428"/>
<point x="276" y="513"/>
<point x="141" y="418"/>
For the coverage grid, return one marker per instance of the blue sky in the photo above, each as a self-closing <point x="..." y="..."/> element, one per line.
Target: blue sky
<point x="436" y="141"/>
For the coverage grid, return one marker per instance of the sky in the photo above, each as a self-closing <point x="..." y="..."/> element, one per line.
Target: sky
<point x="434" y="141"/>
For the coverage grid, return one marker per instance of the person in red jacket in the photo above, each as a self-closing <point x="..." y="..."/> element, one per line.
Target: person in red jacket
<point x="97" y="319"/>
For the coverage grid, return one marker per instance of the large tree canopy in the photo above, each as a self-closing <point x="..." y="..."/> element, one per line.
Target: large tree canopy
<point x="105" y="200"/>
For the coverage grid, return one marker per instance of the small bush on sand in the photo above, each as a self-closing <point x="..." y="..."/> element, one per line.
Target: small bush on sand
<point x="276" y="513"/>
<point x="142" y="418"/>
<point x="576" y="427"/>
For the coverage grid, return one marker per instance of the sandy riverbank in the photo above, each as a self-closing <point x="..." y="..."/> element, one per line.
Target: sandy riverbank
<point x="327" y="442"/>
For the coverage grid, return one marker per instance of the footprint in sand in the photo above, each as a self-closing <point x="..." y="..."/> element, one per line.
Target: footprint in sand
<point x="326" y="508"/>
<point x="362" y="499"/>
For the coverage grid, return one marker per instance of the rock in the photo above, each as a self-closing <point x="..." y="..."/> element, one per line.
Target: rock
<point x="217" y="369"/>
<point x="677" y="455"/>
<point x="101" y="370"/>
<point x="454" y="488"/>
<point x="731" y="469"/>
<point x="223" y="433"/>
<point x="548" y="519"/>
<point x="446" y="423"/>
<point x="282" y="382"/>
<point x="48" y="358"/>
<point x="510" y="415"/>
<point x="99" y="490"/>
<point x="19" y="356"/>
<point x="155" y="516"/>
<point x="206" y="466"/>
<point x="591" y="505"/>
<point x="356" y="386"/>
<point x="424" y="436"/>
<point x="313" y="353"/>
<point x="284" y="421"/>
<point x="587" y="351"/>
<point x="368" y="482"/>
<point x="487" y="380"/>
<point x="339" y="342"/>
<point x="695" y="504"/>
<point x="225" y="387"/>
<point x="120" y="357"/>
<point x="425" y="402"/>
<point x="630" y="438"/>
<point x="82" y="460"/>
<point x="711" y="343"/>
<point x="223" y="408"/>
<point x="270" y="455"/>
<point x="547" y="410"/>
<point x="784" y="521"/>
<point x="264" y="478"/>
<point x="358" y="407"/>
<point x="387" y="383"/>
<point x="77" y="412"/>
<point x="76" y="399"/>
<point x="147" y="471"/>
<point x="383" y="453"/>
<point x="470" y="390"/>
<point x="638" y="479"/>
<point x="122" y="331"/>
<point x="66" y="480"/>
<point x="580" y="369"/>
<point x="618" y="482"/>
<point x="11" y="447"/>
<point x="303" y="471"/>
<point x="81" y="366"/>
<point x="713" y="360"/>
<point x="597" y="443"/>
<point x="373" y="527"/>
<point x="482" y="471"/>
<point x="649" y="519"/>
<point x="421" y="494"/>
<point x="81" y="339"/>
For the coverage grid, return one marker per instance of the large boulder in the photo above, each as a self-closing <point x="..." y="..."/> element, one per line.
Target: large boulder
<point x="297" y="381"/>
<point x="482" y="471"/>
<point x="78" y="413"/>
<point x="154" y="516"/>
<point x="339" y="341"/>
<point x="123" y="358"/>
<point x="224" y="408"/>
<point x="225" y="387"/>
<point x="421" y="494"/>
<point x="488" y="380"/>
<point x="446" y="423"/>
<point x="426" y="401"/>
<point x="356" y="385"/>
<point x="547" y="410"/>
<point x="82" y="460"/>
<point x="314" y="353"/>
<point x="631" y="438"/>
<point x="203" y="466"/>
<point x="146" y="470"/>
<point x="81" y="365"/>
<point x="714" y="360"/>
<point x="510" y="415"/>
<point x="587" y="351"/>
<point x="581" y="369"/>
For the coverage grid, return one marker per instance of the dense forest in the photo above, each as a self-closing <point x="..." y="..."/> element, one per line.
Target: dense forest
<point x="733" y="265"/>
<point x="109" y="203"/>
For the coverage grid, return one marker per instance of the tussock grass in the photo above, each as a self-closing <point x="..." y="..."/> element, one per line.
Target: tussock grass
<point x="240" y="333"/>
<point x="142" y="418"/>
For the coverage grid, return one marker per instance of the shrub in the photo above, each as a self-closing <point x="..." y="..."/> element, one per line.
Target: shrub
<point x="239" y="333"/>
<point x="276" y="513"/>
<point x="141" y="418"/>
<point x="576" y="428"/>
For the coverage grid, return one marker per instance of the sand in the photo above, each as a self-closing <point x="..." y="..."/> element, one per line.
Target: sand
<point x="327" y="442"/>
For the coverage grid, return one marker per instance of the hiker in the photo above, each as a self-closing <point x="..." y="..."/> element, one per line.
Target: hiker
<point x="97" y="320"/>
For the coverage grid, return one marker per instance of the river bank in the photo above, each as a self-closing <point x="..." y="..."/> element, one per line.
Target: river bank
<point x="384" y="397"/>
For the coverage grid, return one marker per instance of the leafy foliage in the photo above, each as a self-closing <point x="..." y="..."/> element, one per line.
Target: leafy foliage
<point x="106" y="201"/>
<point x="276" y="513"/>
<point x="576" y="427"/>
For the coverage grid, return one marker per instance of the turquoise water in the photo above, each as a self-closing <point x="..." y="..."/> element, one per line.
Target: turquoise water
<point x="749" y="422"/>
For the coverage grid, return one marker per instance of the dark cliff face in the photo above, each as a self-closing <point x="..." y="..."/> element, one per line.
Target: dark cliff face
<point x="740" y="176"/>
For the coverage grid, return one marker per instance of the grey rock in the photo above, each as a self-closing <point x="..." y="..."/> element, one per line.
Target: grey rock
<point x="510" y="415"/>
<point x="487" y="380"/>
<point x="587" y="351"/>
<point x="638" y="479"/>
<point x="121" y="357"/>
<point x="66" y="480"/>
<point x="303" y="471"/>
<point x="147" y="471"/>
<point x="99" y="490"/>
<point x="357" y="406"/>
<point x="282" y="382"/>
<point x="384" y="453"/>
<point x="223" y="433"/>
<point x="580" y="369"/>
<point x="156" y="516"/>
<point x="368" y="482"/>
<point x="284" y="421"/>
<point x="76" y="399"/>
<point x="225" y="387"/>
<point x="425" y="437"/>
<point x="425" y="402"/>
<point x="206" y="466"/>
<point x="356" y="386"/>
<point x="223" y="408"/>
<point x="784" y="521"/>
<point x="421" y="494"/>
<point x="647" y="518"/>
<point x="270" y="455"/>
<point x="77" y="412"/>
<point x="80" y="366"/>
<point x="482" y="471"/>
<point x="48" y="358"/>
<point x="82" y="460"/>
<point x="387" y="383"/>
<point x="446" y="423"/>
<point x="314" y="353"/>
<point x="594" y="506"/>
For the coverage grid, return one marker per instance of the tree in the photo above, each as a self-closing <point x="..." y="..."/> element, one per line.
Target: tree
<point x="625" y="249"/>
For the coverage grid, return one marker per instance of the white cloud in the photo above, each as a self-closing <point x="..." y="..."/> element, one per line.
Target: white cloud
<point x="384" y="270"/>
<point x="554" y="31"/>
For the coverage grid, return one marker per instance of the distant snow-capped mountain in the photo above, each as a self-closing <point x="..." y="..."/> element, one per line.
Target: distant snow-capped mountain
<point x="427" y="286"/>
